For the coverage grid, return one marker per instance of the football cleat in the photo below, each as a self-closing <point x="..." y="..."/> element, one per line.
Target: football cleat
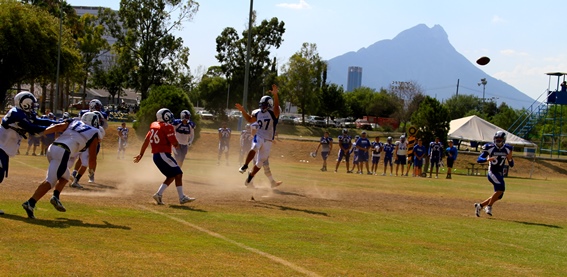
<point x="488" y="210"/>
<point x="29" y="209"/>
<point x="157" y="198"/>
<point x="186" y="199"/>
<point x="243" y="168"/>
<point x="91" y="178"/>
<point x="57" y="204"/>
<point x="275" y="184"/>
<point x="477" y="208"/>
<point x="76" y="185"/>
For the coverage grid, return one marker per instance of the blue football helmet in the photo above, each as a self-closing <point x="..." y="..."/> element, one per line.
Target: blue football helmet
<point x="500" y="138"/>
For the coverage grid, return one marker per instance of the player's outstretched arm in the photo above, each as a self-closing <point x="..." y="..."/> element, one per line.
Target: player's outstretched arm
<point x="245" y="114"/>
<point x="274" y="92"/>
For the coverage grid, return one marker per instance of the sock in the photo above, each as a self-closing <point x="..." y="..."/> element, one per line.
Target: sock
<point x="249" y="179"/>
<point x="32" y="202"/>
<point x="161" y="189"/>
<point x="78" y="178"/>
<point x="56" y="193"/>
<point x="180" y="191"/>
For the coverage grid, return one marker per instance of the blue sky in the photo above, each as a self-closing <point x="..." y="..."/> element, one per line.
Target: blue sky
<point x="525" y="39"/>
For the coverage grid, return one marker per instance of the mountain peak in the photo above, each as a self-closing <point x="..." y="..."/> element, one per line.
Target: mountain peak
<point x="422" y="32"/>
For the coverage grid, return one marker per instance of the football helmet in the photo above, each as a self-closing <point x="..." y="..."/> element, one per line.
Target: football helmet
<point x="345" y="131"/>
<point x="66" y="115"/>
<point x="25" y="101"/>
<point x="402" y="138"/>
<point x="164" y="115"/>
<point x="266" y="103"/>
<point x="91" y="119"/>
<point x="95" y="105"/>
<point x="500" y="138"/>
<point x="185" y="114"/>
<point x="389" y="139"/>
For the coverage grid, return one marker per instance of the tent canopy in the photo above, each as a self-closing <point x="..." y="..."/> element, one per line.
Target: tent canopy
<point x="474" y="128"/>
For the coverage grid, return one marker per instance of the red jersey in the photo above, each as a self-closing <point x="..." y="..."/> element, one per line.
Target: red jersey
<point x="162" y="137"/>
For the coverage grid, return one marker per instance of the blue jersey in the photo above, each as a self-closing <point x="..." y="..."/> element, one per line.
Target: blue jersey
<point x="325" y="144"/>
<point x="15" y="124"/>
<point x="363" y="143"/>
<point x="183" y="131"/>
<point x="388" y="150"/>
<point x="435" y="149"/>
<point x="376" y="148"/>
<point x="419" y="151"/>
<point x="345" y="141"/>
<point x="225" y="134"/>
<point x="491" y="150"/>
<point x="452" y="153"/>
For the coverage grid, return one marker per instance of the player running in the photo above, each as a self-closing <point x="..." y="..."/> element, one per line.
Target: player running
<point x="184" y="133"/>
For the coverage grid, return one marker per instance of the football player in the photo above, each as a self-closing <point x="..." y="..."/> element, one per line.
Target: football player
<point x="161" y="137"/>
<point x="496" y="154"/>
<point x="122" y="140"/>
<point x="435" y="155"/>
<point x="345" y="143"/>
<point x="400" y="153"/>
<point x="326" y="144"/>
<point x="376" y="147"/>
<point x="76" y="136"/>
<point x="266" y="116"/>
<point x="388" y="149"/>
<point x="184" y="133"/>
<point x="224" y="142"/>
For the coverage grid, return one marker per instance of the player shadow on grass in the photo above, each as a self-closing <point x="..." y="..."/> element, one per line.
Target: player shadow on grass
<point x="187" y="208"/>
<point x="276" y="191"/>
<point x="64" y="223"/>
<point x="285" y="208"/>
<point x="531" y="223"/>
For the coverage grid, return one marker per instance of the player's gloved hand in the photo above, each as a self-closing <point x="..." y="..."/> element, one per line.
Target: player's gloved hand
<point x="69" y="120"/>
<point x="511" y="163"/>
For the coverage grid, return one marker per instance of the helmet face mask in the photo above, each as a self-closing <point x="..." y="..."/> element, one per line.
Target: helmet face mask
<point x="402" y="138"/>
<point x="164" y="115"/>
<point x="25" y="101"/>
<point x="345" y="131"/>
<point x="499" y="138"/>
<point x="185" y="114"/>
<point x="266" y="103"/>
<point x="390" y="139"/>
<point x="95" y="105"/>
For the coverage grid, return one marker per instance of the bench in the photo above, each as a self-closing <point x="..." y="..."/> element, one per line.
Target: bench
<point x="476" y="169"/>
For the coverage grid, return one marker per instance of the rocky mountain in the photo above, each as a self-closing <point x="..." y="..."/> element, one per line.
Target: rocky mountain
<point x="426" y="56"/>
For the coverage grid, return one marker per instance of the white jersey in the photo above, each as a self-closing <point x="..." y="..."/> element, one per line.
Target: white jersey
<point x="402" y="148"/>
<point x="266" y="123"/>
<point x="78" y="136"/>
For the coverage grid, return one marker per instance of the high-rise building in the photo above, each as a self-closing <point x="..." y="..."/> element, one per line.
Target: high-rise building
<point x="354" y="77"/>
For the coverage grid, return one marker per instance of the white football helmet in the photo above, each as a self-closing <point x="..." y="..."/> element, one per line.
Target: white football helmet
<point x="185" y="114"/>
<point x="164" y="115"/>
<point x="266" y="103"/>
<point x="95" y="105"/>
<point x="66" y="115"/>
<point x="91" y="119"/>
<point x="25" y="101"/>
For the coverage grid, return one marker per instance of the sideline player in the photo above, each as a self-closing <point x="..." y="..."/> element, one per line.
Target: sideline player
<point x="354" y="152"/>
<point x="184" y="133"/>
<point x="496" y="154"/>
<point x="122" y="140"/>
<point x="18" y="121"/>
<point x="388" y="149"/>
<point x="77" y="136"/>
<point x="345" y="143"/>
<point x="161" y="137"/>
<point x="451" y="153"/>
<point x="363" y="146"/>
<point x="400" y="153"/>
<point x="435" y="152"/>
<point x="326" y="144"/>
<point x="376" y="147"/>
<point x="419" y="152"/>
<point x="224" y="142"/>
<point x="267" y="118"/>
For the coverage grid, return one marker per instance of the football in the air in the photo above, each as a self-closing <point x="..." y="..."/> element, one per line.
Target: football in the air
<point x="483" y="60"/>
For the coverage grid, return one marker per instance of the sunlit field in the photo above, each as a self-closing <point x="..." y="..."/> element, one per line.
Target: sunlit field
<point x="315" y="224"/>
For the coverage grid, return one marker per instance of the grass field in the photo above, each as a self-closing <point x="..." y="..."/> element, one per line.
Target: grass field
<point x="316" y="224"/>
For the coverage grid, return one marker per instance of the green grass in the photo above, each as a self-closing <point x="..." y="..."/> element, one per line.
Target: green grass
<point x="320" y="223"/>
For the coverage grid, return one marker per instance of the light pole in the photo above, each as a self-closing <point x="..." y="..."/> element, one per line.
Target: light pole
<point x="483" y="82"/>
<point x="56" y="98"/>
<point x="247" y="66"/>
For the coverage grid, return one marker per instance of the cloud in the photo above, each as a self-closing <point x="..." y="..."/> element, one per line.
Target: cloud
<point x="512" y="52"/>
<point x="497" y="19"/>
<point x="302" y="5"/>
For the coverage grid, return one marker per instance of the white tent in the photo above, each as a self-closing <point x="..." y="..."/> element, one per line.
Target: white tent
<point x="474" y="128"/>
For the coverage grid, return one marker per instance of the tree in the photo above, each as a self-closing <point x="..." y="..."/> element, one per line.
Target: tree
<point x="357" y="101"/>
<point x="302" y="79"/>
<point x="166" y="96"/>
<point x="383" y="104"/>
<point x="333" y="101"/>
<point x="143" y="30"/>
<point x="410" y="94"/>
<point x="505" y="116"/>
<point x="231" y="54"/>
<point x="110" y="75"/>
<point x="29" y="36"/>
<point x="431" y="119"/>
<point x="459" y="105"/>
<point x="213" y="90"/>
<point x="92" y="45"/>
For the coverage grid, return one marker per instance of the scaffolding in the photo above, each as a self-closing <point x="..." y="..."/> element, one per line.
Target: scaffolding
<point x="552" y="134"/>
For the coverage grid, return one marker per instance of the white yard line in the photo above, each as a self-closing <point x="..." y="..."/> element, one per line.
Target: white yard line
<point x="243" y="246"/>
